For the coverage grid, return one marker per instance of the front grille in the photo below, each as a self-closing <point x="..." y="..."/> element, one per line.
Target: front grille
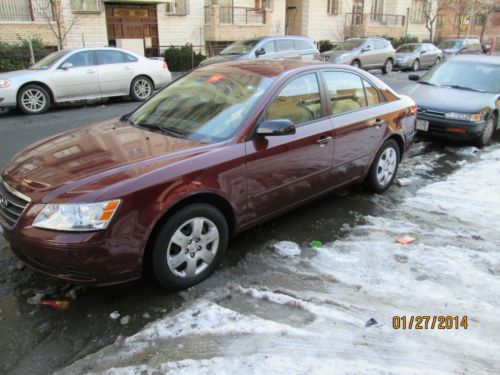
<point x="430" y="112"/>
<point x="11" y="205"/>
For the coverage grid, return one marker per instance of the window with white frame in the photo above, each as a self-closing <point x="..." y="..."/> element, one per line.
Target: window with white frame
<point x="333" y="7"/>
<point x="417" y="12"/>
<point x="264" y="4"/>
<point x="178" y="7"/>
<point x="85" y="6"/>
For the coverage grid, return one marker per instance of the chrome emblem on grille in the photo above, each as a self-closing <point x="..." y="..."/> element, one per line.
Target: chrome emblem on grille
<point x="4" y="202"/>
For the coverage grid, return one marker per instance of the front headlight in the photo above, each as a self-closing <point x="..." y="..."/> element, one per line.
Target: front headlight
<point x="342" y="57"/>
<point x="464" y="116"/>
<point x="4" y="83"/>
<point x="77" y="217"/>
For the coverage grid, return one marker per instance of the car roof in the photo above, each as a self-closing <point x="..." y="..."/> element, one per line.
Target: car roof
<point x="98" y="49"/>
<point x="284" y="37"/>
<point x="478" y="58"/>
<point x="267" y="68"/>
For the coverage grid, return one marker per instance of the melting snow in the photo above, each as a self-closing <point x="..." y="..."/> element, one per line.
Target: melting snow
<point x="287" y="249"/>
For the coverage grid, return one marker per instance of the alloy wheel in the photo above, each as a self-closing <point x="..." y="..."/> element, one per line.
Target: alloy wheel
<point x="34" y="100"/>
<point x="388" y="66"/>
<point x="193" y="247"/>
<point x="386" y="166"/>
<point x="142" y="88"/>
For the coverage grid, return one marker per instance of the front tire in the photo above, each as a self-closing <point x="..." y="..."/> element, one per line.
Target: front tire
<point x="384" y="167"/>
<point x="189" y="246"/>
<point x="388" y="65"/>
<point x="356" y="63"/>
<point x="141" y="88"/>
<point x="488" y="131"/>
<point x="416" y="65"/>
<point x="33" y="100"/>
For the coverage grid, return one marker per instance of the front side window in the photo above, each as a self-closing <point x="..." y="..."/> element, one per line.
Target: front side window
<point x="110" y="57"/>
<point x="269" y="47"/>
<point x="205" y="106"/>
<point x="284" y="45"/>
<point x="85" y="58"/>
<point x="299" y="101"/>
<point x="241" y="47"/>
<point x="369" y="46"/>
<point x="345" y="91"/>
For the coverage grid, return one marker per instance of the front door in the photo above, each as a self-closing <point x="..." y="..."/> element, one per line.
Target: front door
<point x="79" y="80"/>
<point x="126" y="21"/>
<point x="285" y="170"/>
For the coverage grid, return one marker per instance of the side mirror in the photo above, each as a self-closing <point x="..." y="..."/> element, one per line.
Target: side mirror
<point x="66" y="65"/>
<point x="280" y="126"/>
<point x="422" y="52"/>
<point x="413" y="77"/>
<point x="261" y="51"/>
<point x="366" y="49"/>
<point x="125" y="117"/>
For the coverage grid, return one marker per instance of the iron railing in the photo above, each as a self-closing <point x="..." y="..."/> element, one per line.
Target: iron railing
<point x="25" y="10"/>
<point x="375" y="19"/>
<point x="242" y="16"/>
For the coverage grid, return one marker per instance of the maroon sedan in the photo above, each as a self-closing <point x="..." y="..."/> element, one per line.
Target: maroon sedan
<point x="218" y="151"/>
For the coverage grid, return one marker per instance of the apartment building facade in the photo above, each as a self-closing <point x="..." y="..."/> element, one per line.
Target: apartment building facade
<point x="151" y="25"/>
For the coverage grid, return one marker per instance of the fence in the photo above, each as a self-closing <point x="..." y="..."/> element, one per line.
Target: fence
<point x="186" y="57"/>
<point x="21" y="56"/>
<point x="242" y="16"/>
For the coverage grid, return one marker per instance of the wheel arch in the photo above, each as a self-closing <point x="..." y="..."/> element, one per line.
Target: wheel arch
<point x="216" y="200"/>
<point x="39" y="83"/>
<point x="400" y="142"/>
<point x="143" y="75"/>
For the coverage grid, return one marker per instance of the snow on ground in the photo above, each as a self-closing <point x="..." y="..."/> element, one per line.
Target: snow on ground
<point x="307" y="314"/>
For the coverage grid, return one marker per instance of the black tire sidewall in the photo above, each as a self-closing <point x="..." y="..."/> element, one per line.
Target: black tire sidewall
<point x="356" y="63"/>
<point x="371" y="181"/>
<point x="28" y="111"/>
<point x="162" y="272"/>
<point x="479" y="142"/>
<point x="384" y="68"/>
<point x="416" y="63"/>
<point x="132" y="93"/>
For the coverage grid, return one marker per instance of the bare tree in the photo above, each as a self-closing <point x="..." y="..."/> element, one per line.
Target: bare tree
<point x="483" y="10"/>
<point x="431" y="9"/>
<point x="53" y="14"/>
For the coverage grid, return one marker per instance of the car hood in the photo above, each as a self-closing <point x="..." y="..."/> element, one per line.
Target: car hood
<point x="18" y="74"/>
<point x="336" y="52"/>
<point x="450" y="51"/>
<point x="87" y="162"/>
<point x="218" y="59"/>
<point x="446" y="99"/>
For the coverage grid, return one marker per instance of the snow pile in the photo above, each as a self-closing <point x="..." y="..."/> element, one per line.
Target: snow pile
<point x="287" y="249"/>
<point x="310" y="316"/>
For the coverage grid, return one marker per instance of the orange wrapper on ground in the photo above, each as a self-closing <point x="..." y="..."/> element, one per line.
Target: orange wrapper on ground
<point x="405" y="240"/>
<point x="58" y="304"/>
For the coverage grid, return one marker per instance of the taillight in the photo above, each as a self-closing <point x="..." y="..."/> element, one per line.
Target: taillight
<point x="317" y="56"/>
<point x="165" y="65"/>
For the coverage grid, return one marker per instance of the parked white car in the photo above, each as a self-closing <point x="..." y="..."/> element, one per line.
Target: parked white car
<point x="82" y="74"/>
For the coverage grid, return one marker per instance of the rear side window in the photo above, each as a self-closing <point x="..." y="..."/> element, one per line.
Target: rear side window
<point x="345" y="91"/>
<point x="380" y="44"/>
<point x="284" y="45"/>
<point x="299" y="101"/>
<point x="302" y="45"/>
<point x="110" y="57"/>
<point x="372" y="95"/>
<point x="130" y="58"/>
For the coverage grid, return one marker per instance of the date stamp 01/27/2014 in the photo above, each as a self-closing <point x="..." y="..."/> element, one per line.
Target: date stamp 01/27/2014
<point x="430" y="322"/>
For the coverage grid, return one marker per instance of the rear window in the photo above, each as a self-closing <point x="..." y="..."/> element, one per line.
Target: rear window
<point x="302" y="45"/>
<point x="130" y="58"/>
<point x="284" y="45"/>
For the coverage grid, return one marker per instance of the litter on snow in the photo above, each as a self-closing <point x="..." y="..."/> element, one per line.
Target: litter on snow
<point x="58" y="304"/>
<point x="114" y="315"/>
<point x="287" y="249"/>
<point x="316" y="244"/>
<point x="405" y="240"/>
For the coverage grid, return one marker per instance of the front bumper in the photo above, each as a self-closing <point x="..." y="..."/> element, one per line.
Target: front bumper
<point x="8" y="97"/>
<point x="448" y="128"/>
<point x="404" y="64"/>
<point x="95" y="258"/>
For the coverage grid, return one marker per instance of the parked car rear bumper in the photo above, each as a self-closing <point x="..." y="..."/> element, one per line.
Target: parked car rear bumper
<point x="452" y="129"/>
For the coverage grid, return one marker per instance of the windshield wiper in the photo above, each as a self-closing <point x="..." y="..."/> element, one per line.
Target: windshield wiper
<point x="164" y="129"/>
<point x="463" y="88"/>
<point x="427" y="83"/>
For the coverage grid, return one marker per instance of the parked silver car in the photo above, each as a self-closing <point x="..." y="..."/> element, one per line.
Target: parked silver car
<point x="418" y="55"/>
<point x="269" y="47"/>
<point x="82" y="74"/>
<point x="366" y="53"/>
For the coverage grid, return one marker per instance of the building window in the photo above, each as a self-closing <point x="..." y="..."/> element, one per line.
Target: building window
<point x="480" y="20"/>
<point x="417" y="12"/>
<point x="25" y="10"/>
<point x="333" y="7"/>
<point x="85" y="6"/>
<point x="178" y="8"/>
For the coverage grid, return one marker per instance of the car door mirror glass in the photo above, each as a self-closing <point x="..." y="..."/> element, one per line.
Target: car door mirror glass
<point x="279" y="126"/>
<point x="261" y="51"/>
<point x="66" y="65"/>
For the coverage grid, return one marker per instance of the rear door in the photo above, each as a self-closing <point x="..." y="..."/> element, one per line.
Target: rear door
<point x="359" y="119"/>
<point x="284" y="170"/>
<point x="285" y="49"/>
<point x="115" y="73"/>
<point x="78" y="82"/>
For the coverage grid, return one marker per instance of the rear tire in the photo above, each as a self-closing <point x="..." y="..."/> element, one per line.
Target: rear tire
<point x="488" y="131"/>
<point x="388" y="65"/>
<point x="141" y="88"/>
<point x="189" y="246"/>
<point x="33" y="100"/>
<point x="384" y="167"/>
<point x="438" y="60"/>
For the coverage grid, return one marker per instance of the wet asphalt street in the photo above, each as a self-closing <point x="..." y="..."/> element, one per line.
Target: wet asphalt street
<point x="37" y="339"/>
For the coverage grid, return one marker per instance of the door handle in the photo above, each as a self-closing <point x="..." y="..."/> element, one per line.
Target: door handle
<point x="323" y="140"/>
<point x="376" y="122"/>
<point x="90" y="71"/>
<point x="127" y="68"/>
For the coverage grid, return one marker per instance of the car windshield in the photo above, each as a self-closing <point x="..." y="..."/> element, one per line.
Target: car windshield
<point x="406" y="48"/>
<point x="348" y="45"/>
<point x="49" y="60"/>
<point x="238" y="48"/>
<point x="450" y="44"/>
<point x="205" y="106"/>
<point x="465" y="74"/>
